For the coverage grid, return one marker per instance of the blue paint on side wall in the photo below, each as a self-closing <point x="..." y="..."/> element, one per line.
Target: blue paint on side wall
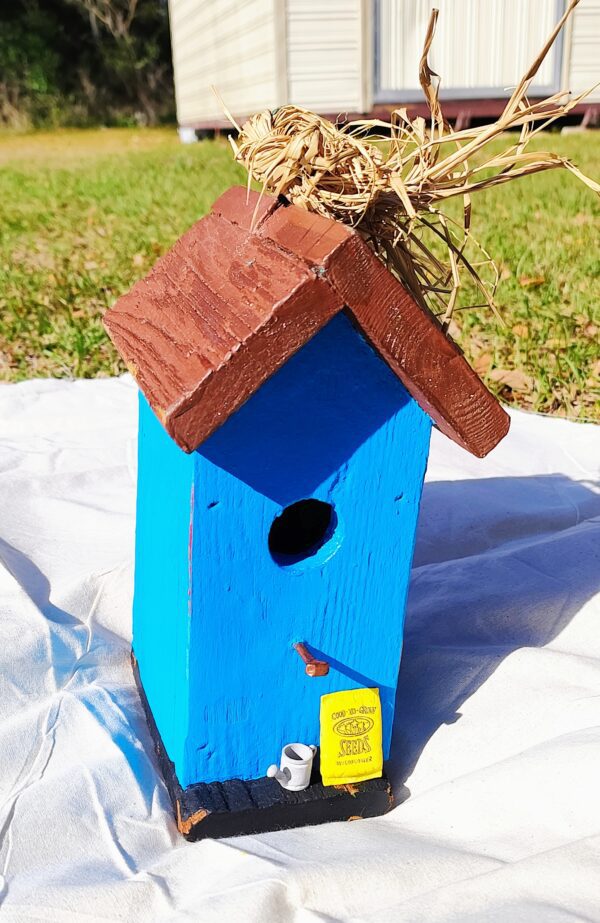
<point x="162" y="596"/>
<point x="335" y="424"/>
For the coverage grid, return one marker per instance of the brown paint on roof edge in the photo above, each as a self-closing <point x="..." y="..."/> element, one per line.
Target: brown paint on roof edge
<point x="249" y="285"/>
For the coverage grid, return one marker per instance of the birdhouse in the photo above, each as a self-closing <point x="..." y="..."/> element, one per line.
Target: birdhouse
<point x="288" y="384"/>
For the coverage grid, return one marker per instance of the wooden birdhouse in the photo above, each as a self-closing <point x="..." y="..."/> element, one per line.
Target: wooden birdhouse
<point x="288" y="384"/>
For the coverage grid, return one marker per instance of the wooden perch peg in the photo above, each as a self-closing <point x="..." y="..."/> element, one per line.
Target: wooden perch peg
<point x="314" y="667"/>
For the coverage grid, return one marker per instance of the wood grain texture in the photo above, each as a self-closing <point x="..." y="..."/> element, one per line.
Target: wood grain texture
<point x="292" y="321"/>
<point x="406" y="336"/>
<point x="163" y="580"/>
<point x="310" y="237"/>
<point x="246" y="287"/>
<point x="246" y="208"/>
<point x="216" y="316"/>
<point x="415" y="347"/>
<point x="333" y="424"/>
<point x="216" y="615"/>
<point x="236" y="808"/>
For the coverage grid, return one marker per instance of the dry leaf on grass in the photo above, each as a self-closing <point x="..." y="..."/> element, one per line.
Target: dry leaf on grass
<point x="531" y="281"/>
<point x="515" y="380"/>
<point x="482" y="363"/>
<point x="520" y="330"/>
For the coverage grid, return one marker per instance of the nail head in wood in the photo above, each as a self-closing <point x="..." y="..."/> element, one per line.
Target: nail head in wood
<point x="314" y="667"/>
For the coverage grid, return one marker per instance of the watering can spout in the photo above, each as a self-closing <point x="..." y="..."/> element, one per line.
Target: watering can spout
<point x="296" y="767"/>
<point x="283" y="776"/>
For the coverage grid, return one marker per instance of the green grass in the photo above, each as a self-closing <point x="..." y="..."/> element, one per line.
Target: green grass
<point x="84" y="214"/>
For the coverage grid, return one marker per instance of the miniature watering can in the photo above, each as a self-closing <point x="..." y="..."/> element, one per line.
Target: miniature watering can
<point x="296" y="767"/>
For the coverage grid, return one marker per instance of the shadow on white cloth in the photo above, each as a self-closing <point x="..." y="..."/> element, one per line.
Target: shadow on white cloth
<point x="500" y="564"/>
<point x="498" y="720"/>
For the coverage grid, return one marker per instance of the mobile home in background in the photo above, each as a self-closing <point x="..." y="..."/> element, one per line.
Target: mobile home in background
<point x="353" y="57"/>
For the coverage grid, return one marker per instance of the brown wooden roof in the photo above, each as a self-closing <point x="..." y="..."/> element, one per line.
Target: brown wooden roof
<point x="227" y="306"/>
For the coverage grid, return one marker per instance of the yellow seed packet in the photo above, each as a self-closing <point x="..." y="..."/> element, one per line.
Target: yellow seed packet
<point x="351" y="748"/>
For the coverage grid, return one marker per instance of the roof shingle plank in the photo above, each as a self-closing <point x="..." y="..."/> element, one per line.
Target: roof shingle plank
<point x="214" y="318"/>
<point x="248" y="286"/>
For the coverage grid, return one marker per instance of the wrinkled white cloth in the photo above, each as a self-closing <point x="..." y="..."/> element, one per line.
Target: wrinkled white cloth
<point x="497" y="742"/>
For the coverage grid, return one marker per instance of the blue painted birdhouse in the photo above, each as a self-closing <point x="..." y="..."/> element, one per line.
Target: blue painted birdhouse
<point x="288" y="384"/>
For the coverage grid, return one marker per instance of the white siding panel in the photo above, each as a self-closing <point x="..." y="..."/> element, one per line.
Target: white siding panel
<point x="479" y="44"/>
<point x="226" y="43"/>
<point x="584" y="70"/>
<point x="325" y="54"/>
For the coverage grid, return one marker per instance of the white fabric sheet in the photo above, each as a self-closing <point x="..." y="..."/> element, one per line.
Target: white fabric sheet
<point x="497" y="737"/>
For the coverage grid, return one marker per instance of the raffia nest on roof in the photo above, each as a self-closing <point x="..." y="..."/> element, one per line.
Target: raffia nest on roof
<point x="392" y="180"/>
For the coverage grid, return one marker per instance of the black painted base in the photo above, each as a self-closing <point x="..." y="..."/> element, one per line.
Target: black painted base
<point x="234" y="808"/>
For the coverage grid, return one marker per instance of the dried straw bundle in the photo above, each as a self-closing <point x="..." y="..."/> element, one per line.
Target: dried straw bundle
<point x="394" y="192"/>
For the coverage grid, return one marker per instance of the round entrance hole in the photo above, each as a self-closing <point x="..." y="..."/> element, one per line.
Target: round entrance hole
<point x="300" y="530"/>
